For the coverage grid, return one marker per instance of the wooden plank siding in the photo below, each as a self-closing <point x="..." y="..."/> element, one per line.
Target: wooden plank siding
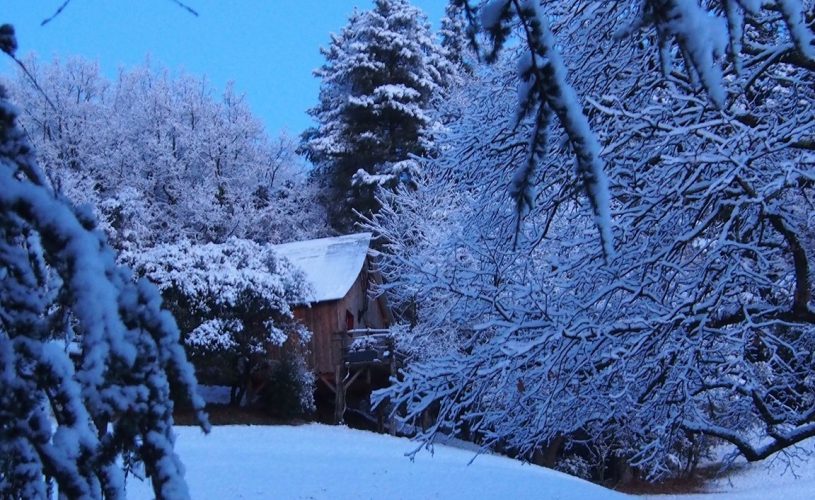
<point x="327" y="321"/>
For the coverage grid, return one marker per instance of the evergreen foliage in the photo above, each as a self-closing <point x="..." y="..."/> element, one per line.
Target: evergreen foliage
<point x="380" y="75"/>
<point x="456" y="39"/>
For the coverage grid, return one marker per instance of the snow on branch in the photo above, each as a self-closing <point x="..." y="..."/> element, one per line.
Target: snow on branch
<point x="701" y="37"/>
<point x="703" y="328"/>
<point x="545" y="82"/>
<point x="800" y="33"/>
<point x="67" y="419"/>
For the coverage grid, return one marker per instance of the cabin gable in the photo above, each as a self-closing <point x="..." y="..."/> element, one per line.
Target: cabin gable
<point x="341" y="273"/>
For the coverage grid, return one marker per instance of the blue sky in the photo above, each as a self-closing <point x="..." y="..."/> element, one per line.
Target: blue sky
<point x="267" y="47"/>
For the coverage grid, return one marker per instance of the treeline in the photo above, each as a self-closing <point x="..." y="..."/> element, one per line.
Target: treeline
<point x="161" y="157"/>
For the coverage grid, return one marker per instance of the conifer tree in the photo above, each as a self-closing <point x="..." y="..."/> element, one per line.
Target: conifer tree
<point x="456" y="38"/>
<point x="379" y="77"/>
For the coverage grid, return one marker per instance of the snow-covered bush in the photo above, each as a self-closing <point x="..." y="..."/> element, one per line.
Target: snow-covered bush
<point x="67" y="424"/>
<point x="288" y="387"/>
<point x="575" y="466"/>
<point x="233" y="301"/>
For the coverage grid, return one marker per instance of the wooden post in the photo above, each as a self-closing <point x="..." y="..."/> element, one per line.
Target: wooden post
<point x="346" y="384"/>
<point x="339" y="395"/>
<point x="380" y="420"/>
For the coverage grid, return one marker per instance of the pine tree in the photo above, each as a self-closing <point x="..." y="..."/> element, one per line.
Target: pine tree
<point x="379" y="77"/>
<point x="456" y="38"/>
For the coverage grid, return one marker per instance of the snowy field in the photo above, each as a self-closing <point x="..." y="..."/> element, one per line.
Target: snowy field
<point x="324" y="462"/>
<point x="770" y="479"/>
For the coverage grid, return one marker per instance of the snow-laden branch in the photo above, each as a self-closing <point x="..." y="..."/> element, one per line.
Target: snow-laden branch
<point x="701" y="328"/>
<point x="61" y="291"/>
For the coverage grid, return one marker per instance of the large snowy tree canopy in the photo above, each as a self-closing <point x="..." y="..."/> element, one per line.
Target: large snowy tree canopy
<point x="380" y="75"/>
<point x="162" y="156"/>
<point x="88" y="356"/>
<point x="701" y="323"/>
<point x="697" y="33"/>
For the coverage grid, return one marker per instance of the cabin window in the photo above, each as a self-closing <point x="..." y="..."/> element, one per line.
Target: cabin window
<point x="349" y="320"/>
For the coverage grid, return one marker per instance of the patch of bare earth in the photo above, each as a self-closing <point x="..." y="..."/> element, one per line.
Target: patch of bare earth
<point x="233" y="415"/>
<point x="698" y="482"/>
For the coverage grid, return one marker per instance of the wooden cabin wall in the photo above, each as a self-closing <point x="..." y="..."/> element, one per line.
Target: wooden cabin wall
<point x="321" y="319"/>
<point x="367" y="313"/>
<point x="325" y="319"/>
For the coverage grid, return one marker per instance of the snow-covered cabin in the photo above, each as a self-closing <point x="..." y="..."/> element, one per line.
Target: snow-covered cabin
<point x="340" y="273"/>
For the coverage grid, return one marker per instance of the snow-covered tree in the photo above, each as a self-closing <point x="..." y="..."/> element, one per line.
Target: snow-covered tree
<point x="162" y="157"/>
<point x="700" y="322"/>
<point x="379" y="77"/>
<point x="457" y="38"/>
<point x="232" y="300"/>
<point x="88" y="357"/>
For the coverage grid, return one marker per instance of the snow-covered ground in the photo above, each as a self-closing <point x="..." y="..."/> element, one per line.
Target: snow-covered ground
<point x="771" y="479"/>
<point x="325" y="462"/>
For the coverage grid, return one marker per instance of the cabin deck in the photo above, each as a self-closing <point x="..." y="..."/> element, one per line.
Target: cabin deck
<point x="368" y="360"/>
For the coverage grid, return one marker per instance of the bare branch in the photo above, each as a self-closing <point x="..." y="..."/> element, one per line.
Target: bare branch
<point x="185" y="7"/>
<point x="55" y="14"/>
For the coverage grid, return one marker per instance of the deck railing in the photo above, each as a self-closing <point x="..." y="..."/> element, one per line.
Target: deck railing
<point x="367" y="346"/>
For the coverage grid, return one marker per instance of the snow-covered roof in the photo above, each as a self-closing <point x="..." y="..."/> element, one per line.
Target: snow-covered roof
<point x="330" y="264"/>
